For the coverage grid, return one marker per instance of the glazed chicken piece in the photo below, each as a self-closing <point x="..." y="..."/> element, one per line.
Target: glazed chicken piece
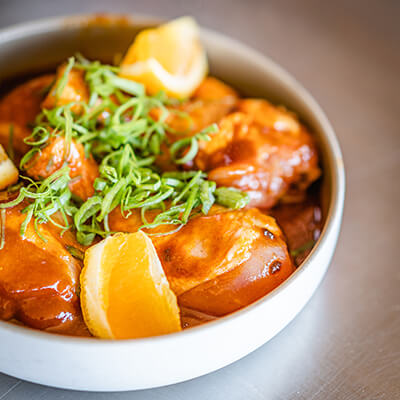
<point x="74" y="91"/>
<point x="38" y="279"/>
<point x="262" y="150"/>
<point x="84" y="170"/>
<point x="221" y="262"/>
<point x="18" y="110"/>
<point x="212" y="100"/>
<point x="20" y="107"/>
<point x="301" y="223"/>
<point x="52" y="157"/>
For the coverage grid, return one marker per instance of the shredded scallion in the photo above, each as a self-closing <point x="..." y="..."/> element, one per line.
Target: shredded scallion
<point x="125" y="130"/>
<point x="2" y="228"/>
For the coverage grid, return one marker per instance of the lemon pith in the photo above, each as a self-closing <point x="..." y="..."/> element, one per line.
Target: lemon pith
<point x="169" y="58"/>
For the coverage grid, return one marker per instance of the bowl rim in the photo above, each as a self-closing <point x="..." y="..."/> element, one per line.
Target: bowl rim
<point x="336" y="201"/>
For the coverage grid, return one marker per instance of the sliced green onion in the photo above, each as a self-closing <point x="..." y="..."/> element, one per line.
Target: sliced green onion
<point x="207" y="198"/>
<point x="231" y="198"/>
<point x="68" y="133"/>
<point x="126" y="85"/>
<point x="2" y="228"/>
<point x="118" y="128"/>
<point x="75" y="252"/>
<point x="106" y="205"/>
<point x="87" y="210"/>
<point x="64" y="79"/>
<point x="84" y="238"/>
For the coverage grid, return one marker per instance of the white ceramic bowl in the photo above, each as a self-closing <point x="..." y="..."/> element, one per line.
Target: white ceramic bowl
<point x="92" y="364"/>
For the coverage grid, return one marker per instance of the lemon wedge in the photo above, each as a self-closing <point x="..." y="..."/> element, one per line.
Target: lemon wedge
<point x="124" y="291"/>
<point x="169" y="58"/>
<point x="8" y="171"/>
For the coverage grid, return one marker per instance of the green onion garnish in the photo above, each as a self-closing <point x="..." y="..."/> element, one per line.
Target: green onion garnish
<point x="231" y="197"/>
<point x="77" y="253"/>
<point x="118" y="128"/>
<point x="64" y="79"/>
<point x="300" y="250"/>
<point x="2" y="227"/>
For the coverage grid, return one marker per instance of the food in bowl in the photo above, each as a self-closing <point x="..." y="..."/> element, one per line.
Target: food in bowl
<point x="181" y="201"/>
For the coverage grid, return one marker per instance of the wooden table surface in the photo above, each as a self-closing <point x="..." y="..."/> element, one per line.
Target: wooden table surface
<point x="346" y="343"/>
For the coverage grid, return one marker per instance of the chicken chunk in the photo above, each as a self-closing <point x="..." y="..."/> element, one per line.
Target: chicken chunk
<point x="21" y="106"/>
<point x="38" y="279"/>
<point x="74" y="91"/>
<point x="12" y="138"/>
<point x="267" y="267"/>
<point x="237" y="254"/>
<point x="269" y="116"/>
<point x="301" y="223"/>
<point x="18" y="110"/>
<point x="262" y="150"/>
<point x="212" y="100"/>
<point x="84" y="170"/>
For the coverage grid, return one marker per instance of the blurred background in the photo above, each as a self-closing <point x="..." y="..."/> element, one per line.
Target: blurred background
<point x="346" y="343"/>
